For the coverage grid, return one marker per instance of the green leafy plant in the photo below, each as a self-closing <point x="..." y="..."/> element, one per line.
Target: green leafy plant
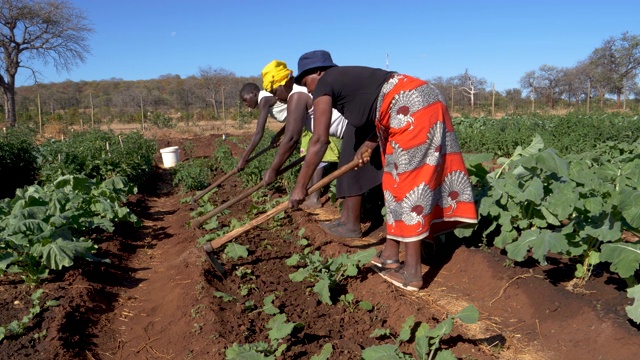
<point x="161" y="121"/>
<point x="98" y="155"/>
<point x="16" y="327"/>
<point x="538" y="203"/>
<point x="327" y="274"/>
<point x="42" y="227"/>
<point x="192" y="175"/>
<point x="349" y="302"/>
<point x="224" y="296"/>
<point x="427" y="340"/>
<point x="279" y="329"/>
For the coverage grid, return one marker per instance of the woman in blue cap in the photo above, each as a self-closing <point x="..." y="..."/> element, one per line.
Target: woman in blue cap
<point x="426" y="187"/>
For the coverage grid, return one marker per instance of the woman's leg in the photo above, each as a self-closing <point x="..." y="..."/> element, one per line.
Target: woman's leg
<point x="350" y="215"/>
<point x="391" y="250"/>
<point x="412" y="259"/>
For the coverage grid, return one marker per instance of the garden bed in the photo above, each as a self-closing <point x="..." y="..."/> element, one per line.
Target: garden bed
<point x="159" y="298"/>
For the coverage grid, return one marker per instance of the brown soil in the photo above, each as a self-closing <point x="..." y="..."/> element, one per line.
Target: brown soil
<point x="155" y="300"/>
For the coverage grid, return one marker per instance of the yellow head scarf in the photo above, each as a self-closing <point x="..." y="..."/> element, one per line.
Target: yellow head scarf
<point x="275" y="74"/>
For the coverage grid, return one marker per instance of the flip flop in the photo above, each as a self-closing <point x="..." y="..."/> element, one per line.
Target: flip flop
<point x="335" y="228"/>
<point x="381" y="262"/>
<point x="399" y="278"/>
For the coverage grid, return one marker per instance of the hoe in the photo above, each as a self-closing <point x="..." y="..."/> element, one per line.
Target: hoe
<point x="209" y="247"/>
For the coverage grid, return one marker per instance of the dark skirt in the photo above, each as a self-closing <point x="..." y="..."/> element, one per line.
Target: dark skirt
<point x="357" y="182"/>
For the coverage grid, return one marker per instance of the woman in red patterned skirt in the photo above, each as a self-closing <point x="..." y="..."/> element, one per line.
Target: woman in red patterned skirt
<point x="425" y="182"/>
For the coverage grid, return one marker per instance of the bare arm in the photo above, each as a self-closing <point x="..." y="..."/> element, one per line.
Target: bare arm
<point x="318" y="144"/>
<point x="264" y="105"/>
<point x="297" y="106"/>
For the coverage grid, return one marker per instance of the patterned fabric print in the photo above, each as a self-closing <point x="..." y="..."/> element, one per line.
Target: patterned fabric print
<point x="417" y="205"/>
<point x="408" y="102"/>
<point x="435" y="147"/>
<point x="455" y="188"/>
<point x="393" y="209"/>
<point x="425" y="183"/>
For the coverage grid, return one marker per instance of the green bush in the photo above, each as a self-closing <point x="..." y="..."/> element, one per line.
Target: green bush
<point x="192" y="175"/>
<point x="567" y="134"/>
<point x="98" y="155"/>
<point x="18" y="162"/>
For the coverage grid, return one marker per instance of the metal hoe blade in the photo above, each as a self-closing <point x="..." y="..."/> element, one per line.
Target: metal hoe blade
<point x="208" y="250"/>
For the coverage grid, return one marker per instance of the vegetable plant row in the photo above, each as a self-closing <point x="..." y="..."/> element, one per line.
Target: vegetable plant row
<point x="536" y="202"/>
<point x="83" y="182"/>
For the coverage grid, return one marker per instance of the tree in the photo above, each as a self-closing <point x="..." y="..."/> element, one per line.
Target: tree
<point x="213" y="81"/>
<point x="469" y="87"/>
<point x="549" y="77"/>
<point x="530" y="82"/>
<point x="39" y="31"/>
<point x="617" y="61"/>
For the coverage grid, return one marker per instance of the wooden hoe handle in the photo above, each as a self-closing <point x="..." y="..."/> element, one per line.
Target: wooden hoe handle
<point x="208" y="247"/>
<point x="215" y="184"/>
<point x="199" y="221"/>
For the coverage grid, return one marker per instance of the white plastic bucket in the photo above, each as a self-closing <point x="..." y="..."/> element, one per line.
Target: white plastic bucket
<point x="170" y="156"/>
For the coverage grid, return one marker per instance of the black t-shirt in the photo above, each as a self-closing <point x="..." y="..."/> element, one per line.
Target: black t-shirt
<point x="353" y="90"/>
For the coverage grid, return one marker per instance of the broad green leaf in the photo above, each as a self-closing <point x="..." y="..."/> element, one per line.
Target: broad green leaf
<point x="299" y="275"/>
<point x="633" y="311"/>
<point x="31" y="226"/>
<point x="624" y="257"/>
<point x="236" y="251"/>
<point x="422" y="342"/>
<point x="471" y="159"/>
<point x="562" y="199"/>
<point x="405" y="332"/>
<point x="549" y="217"/>
<point x="381" y="352"/>
<point x="322" y="289"/>
<point x="536" y="145"/>
<point x="594" y="204"/>
<point x="549" y="161"/>
<point x="518" y="250"/>
<point x="364" y="256"/>
<point x="541" y="242"/>
<point x="6" y="259"/>
<point x="293" y="260"/>
<point x="468" y="315"/>
<point x="365" y="305"/>
<point x="225" y="297"/>
<point x="604" y="227"/>
<point x="629" y="204"/>
<point x="280" y="328"/>
<point x="532" y="191"/>
<point x="325" y="353"/>
<point x="505" y="238"/>
<point x="379" y="332"/>
<point x="465" y="231"/>
<point x="442" y="329"/>
<point x="445" y="355"/>
<point x="247" y="352"/>
<point x="268" y="305"/>
<point x="61" y="253"/>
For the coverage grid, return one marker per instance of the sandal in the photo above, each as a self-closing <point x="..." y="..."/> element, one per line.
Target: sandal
<point x="399" y="277"/>
<point x="381" y="262"/>
<point x="336" y="228"/>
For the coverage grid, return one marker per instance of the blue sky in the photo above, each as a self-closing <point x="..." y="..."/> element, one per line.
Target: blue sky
<point x="496" y="40"/>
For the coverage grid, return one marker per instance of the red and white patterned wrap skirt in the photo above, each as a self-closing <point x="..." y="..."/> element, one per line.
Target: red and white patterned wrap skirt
<point x="425" y="182"/>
